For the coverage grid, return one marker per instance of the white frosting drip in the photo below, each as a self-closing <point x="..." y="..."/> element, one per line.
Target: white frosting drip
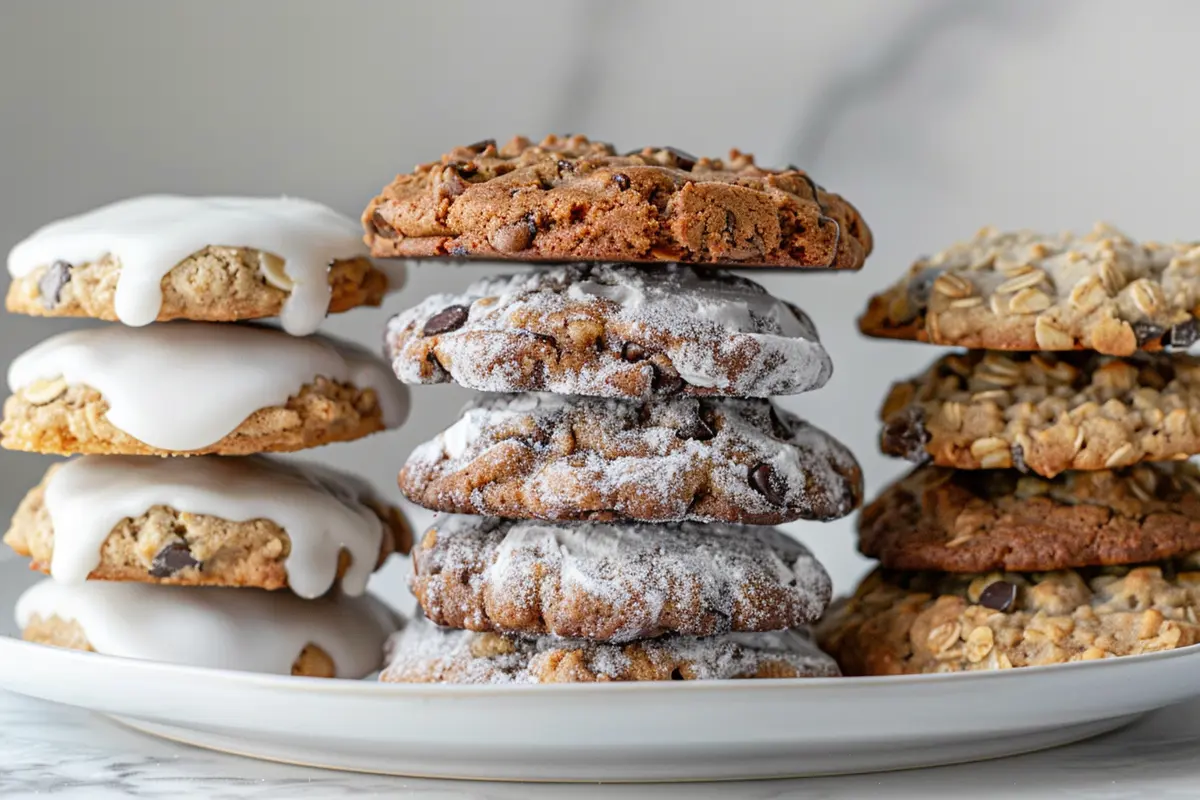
<point x="321" y="510"/>
<point x="152" y="234"/>
<point x="185" y="385"/>
<point x="241" y="629"/>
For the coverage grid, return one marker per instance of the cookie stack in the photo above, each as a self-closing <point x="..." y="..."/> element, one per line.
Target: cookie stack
<point x="1054" y="516"/>
<point x="603" y="493"/>
<point x="142" y="552"/>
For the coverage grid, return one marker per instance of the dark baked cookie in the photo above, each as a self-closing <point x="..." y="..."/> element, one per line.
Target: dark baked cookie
<point x="551" y="457"/>
<point x="1046" y="412"/>
<point x="1028" y="291"/>
<point x="614" y="582"/>
<point x="612" y="331"/>
<point x="569" y="199"/>
<point x="974" y="521"/>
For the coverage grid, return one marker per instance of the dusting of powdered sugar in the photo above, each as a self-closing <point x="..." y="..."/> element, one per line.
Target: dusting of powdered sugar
<point x="632" y="579"/>
<point x="722" y="334"/>
<point x="677" y="456"/>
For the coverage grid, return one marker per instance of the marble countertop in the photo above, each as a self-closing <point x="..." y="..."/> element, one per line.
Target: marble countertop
<point x="49" y="750"/>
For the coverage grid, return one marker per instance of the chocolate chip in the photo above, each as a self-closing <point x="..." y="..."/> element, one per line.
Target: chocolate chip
<point x="564" y="166"/>
<point x="632" y="352"/>
<point x="999" y="596"/>
<point x="621" y="180"/>
<point x="51" y="284"/>
<point x="516" y="236"/>
<point x="684" y="161"/>
<point x="905" y="436"/>
<point x="677" y="674"/>
<point x="1147" y="332"/>
<point x="920" y="287"/>
<point x="1184" y="334"/>
<point x="762" y="478"/>
<point x="701" y="429"/>
<point x="481" y="145"/>
<point x="382" y="227"/>
<point x="1018" y="458"/>
<point x="466" y="170"/>
<point x="448" y="319"/>
<point x="780" y="428"/>
<point x="171" y="559"/>
<point x="665" y="382"/>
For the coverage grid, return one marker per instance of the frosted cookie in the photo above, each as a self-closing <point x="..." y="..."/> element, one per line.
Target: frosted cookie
<point x="613" y="331"/>
<point x="569" y="199"/>
<point x="979" y="520"/>
<point x="552" y="457"/>
<point x="914" y="622"/>
<point x="239" y="629"/>
<point x="424" y="653"/>
<point x="191" y="388"/>
<point x="1029" y="291"/>
<point x="206" y="520"/>
<point x="1046" y="412"/>
<point x="215" y="259"/>
<point x="614" y="582"/>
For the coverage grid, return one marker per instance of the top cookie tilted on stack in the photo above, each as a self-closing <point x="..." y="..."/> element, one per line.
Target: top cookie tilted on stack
<point x="630" y="439"/>
<point x="1054" y="515"/>
<point x="200" y="384"/>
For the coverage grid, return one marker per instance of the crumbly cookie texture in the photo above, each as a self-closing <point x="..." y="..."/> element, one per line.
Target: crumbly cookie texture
<point x="424" y="653"/>
<point x="65" y="420"/>
<point x="311" y="662"/>
<point x="571" y="199"/>
<point x="1046" y="412"/>
<point x="980" y="520"/>
<point x="1029" y="291"/>
<point x="614" y="582"/>
<point x="611" y="330"/>
<point x="217" y="284"/>
<point x="551" y="457"/>
<point x="167" y="546"/>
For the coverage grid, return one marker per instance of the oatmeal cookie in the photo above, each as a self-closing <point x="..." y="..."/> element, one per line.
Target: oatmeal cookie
<point x="569" y="199"/>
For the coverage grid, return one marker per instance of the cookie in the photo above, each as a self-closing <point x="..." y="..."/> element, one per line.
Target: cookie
<point x="611" y="330"/>
<point x="918" y="622"/>
<point x="239" y="629"/>
<point x="545" y="456"/>
<point x="614" y="582"/>
<point x="214" y="259"/>
<point x="1029" y="291"/>
<point x="192" y="388"/>
<point x="570" y="199"/>
<point x="425" y="653"/>
<point x="1045" y="412"/>
<point x="981" y="520"/>
<point x="207" y="520"/>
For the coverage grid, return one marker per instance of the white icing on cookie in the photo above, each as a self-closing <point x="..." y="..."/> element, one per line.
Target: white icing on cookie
<point x="321" y="510"/>
<point x="185" y="385"/>
<point x="152" y="234"/>
<point x="242" y="629"/>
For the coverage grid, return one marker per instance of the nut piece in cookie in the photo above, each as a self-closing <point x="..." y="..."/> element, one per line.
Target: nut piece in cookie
<point x="1029" y="291"/>
<point x="552" y="457"/>
<point x="1046" y="412"/>
<point x="917" y="622"/>
<point x="614" y="582"/>
<point x="571" y="199"/>
<point x="611" y="330"/>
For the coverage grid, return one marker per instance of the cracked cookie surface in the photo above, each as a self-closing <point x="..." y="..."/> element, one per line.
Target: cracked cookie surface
<point x="570" y="199"/>
<point x="1029" y="291"/>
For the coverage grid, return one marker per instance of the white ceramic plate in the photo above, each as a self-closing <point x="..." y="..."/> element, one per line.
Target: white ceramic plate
<point x="613" y="732"/>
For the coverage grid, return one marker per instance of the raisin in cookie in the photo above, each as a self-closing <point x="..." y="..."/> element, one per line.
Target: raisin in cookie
<point x="570" y="199"/>
<point x="551" y="457"/>
<point x="917" y="622"/>
<point x="241" y="629"/>
<point x="1029" y="291"/>
<point x="611" y="330"/>
<point x="207" y="520"/>
<point x="1046" y="412"/>
<point x="614" y="582"/>
<point x="980" y="520"/>
<point x="425" y="653"/>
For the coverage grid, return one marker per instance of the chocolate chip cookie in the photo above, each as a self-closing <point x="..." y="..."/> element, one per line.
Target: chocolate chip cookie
<point x="570" y="199"/>
<point x="424" y="653"/>
<point x="614" y="582"/>
<point x="917" y="622"/>
<point x="1046" y="412"/>
<point x="611" y="330"/>
<point x="1029" y="291"/>
<point x="980" y="520"/>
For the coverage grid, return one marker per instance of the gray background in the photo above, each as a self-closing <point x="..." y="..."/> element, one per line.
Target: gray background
<point x="933" y="116"/>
